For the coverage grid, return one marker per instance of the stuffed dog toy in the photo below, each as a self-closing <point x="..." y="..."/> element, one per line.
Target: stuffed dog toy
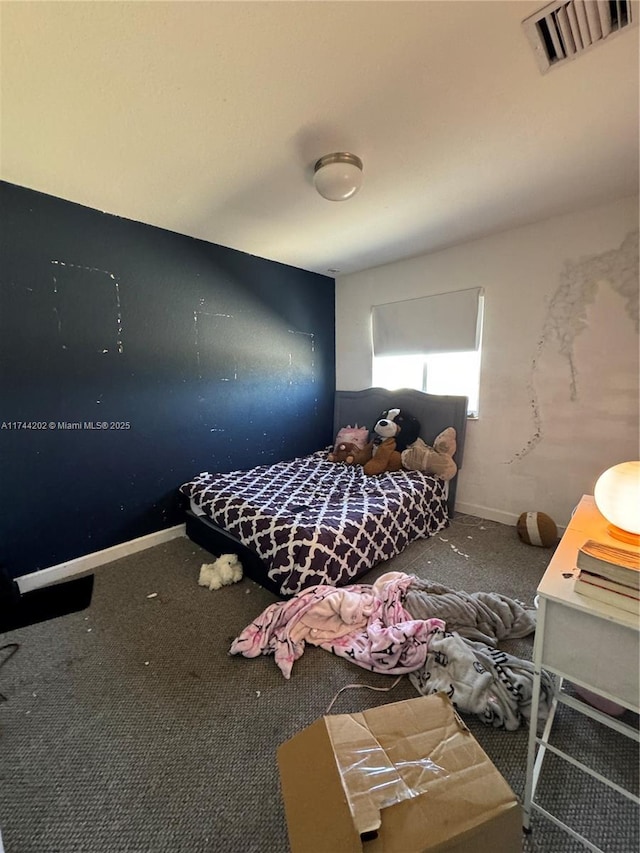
<point x="394" y="431"/>
<point x="226" y="570"/>
<point x="384" y="458"/>
<point x="398" y="424"/>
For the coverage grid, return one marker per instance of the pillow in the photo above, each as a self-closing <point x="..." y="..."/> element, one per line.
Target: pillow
<point x="352" y="435"/>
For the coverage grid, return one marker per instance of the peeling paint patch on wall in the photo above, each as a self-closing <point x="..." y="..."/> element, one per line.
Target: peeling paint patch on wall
<point x="302" y="358"/>
<point x="103" y="321"/>
<point x="567" y="317"/>
<point x="308" y="359"/>
<point x="201" y="330"/>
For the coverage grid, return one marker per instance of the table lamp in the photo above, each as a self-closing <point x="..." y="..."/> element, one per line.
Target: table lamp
<point x="617" y="496"/>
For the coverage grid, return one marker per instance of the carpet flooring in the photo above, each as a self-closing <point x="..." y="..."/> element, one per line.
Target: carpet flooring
<point x="128" y="727"/>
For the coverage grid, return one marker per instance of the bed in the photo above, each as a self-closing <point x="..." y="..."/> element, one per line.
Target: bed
<point x="308" y="521"/>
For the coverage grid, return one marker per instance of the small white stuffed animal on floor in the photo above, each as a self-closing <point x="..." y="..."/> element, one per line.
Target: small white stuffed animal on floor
<point x="227" y="569"/>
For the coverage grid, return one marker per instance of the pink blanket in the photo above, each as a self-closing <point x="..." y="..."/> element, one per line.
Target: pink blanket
<point x="367" y="624"/>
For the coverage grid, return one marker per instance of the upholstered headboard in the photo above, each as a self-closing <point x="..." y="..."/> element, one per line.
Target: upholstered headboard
<point x="434" y="412"/>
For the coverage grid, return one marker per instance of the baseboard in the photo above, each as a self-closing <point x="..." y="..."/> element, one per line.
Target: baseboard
<point x="487" y="512"/>
<point x="83" y="565"/>
<point x="491" y="514"/>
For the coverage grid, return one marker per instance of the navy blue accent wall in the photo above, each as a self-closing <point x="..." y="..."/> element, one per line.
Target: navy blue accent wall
<point x="196" y="357"/>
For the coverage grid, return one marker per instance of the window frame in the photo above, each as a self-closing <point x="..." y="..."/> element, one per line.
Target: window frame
<point x="473" y="412"/>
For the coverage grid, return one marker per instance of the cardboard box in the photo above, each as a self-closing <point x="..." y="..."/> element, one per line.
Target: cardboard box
<point x="402" y="778"/>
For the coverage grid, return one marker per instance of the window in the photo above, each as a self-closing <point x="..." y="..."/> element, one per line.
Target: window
<point x="440" y="373"/>
<point x="431" y="344"/>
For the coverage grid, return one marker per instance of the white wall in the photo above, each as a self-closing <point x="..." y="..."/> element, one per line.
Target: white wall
<point x="559" y="398"/>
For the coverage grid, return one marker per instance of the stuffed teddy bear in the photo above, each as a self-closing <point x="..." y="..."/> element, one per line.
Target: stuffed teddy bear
<point x="436" y="460"/>
<point x="398" y="424"/>
<point x="351" y="454"/>
<point x="387" y="458"/>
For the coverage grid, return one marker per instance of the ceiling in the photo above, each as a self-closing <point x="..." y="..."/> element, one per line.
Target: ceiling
<point x="206" y="118"/>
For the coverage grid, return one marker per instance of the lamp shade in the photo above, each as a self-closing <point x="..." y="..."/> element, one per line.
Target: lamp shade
<point x="617" y="496"/>
<point x="338" y="176"/>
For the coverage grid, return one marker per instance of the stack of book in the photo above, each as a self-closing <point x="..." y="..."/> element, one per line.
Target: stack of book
<point x="609" y="574"/>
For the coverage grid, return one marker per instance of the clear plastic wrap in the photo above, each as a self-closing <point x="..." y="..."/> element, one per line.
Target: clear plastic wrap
<point x="380" y="770"/>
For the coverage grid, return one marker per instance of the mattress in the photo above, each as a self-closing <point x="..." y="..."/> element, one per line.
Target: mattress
<point x="312" y="521"/>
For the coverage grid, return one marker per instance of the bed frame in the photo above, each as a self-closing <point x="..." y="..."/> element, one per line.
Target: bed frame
<point x="433" y="411"/>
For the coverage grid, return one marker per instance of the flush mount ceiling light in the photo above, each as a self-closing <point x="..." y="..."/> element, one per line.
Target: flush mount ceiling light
<point x="338" y="176"/>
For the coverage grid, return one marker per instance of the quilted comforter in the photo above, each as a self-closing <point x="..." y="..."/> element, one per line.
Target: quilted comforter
<point x="317" y="522"/>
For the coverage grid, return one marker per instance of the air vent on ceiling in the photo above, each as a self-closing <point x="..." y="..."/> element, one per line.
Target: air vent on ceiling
<point x="563" y="30"/>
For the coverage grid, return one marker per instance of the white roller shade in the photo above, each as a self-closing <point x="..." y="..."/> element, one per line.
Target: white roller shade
<point x="447" y="322"/>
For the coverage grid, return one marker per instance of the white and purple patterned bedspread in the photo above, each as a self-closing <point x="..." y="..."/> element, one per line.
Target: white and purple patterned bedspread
<point x="317" y="522"/>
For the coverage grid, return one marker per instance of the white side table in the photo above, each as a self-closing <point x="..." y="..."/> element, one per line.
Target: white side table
<point x="588" y="642"/>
